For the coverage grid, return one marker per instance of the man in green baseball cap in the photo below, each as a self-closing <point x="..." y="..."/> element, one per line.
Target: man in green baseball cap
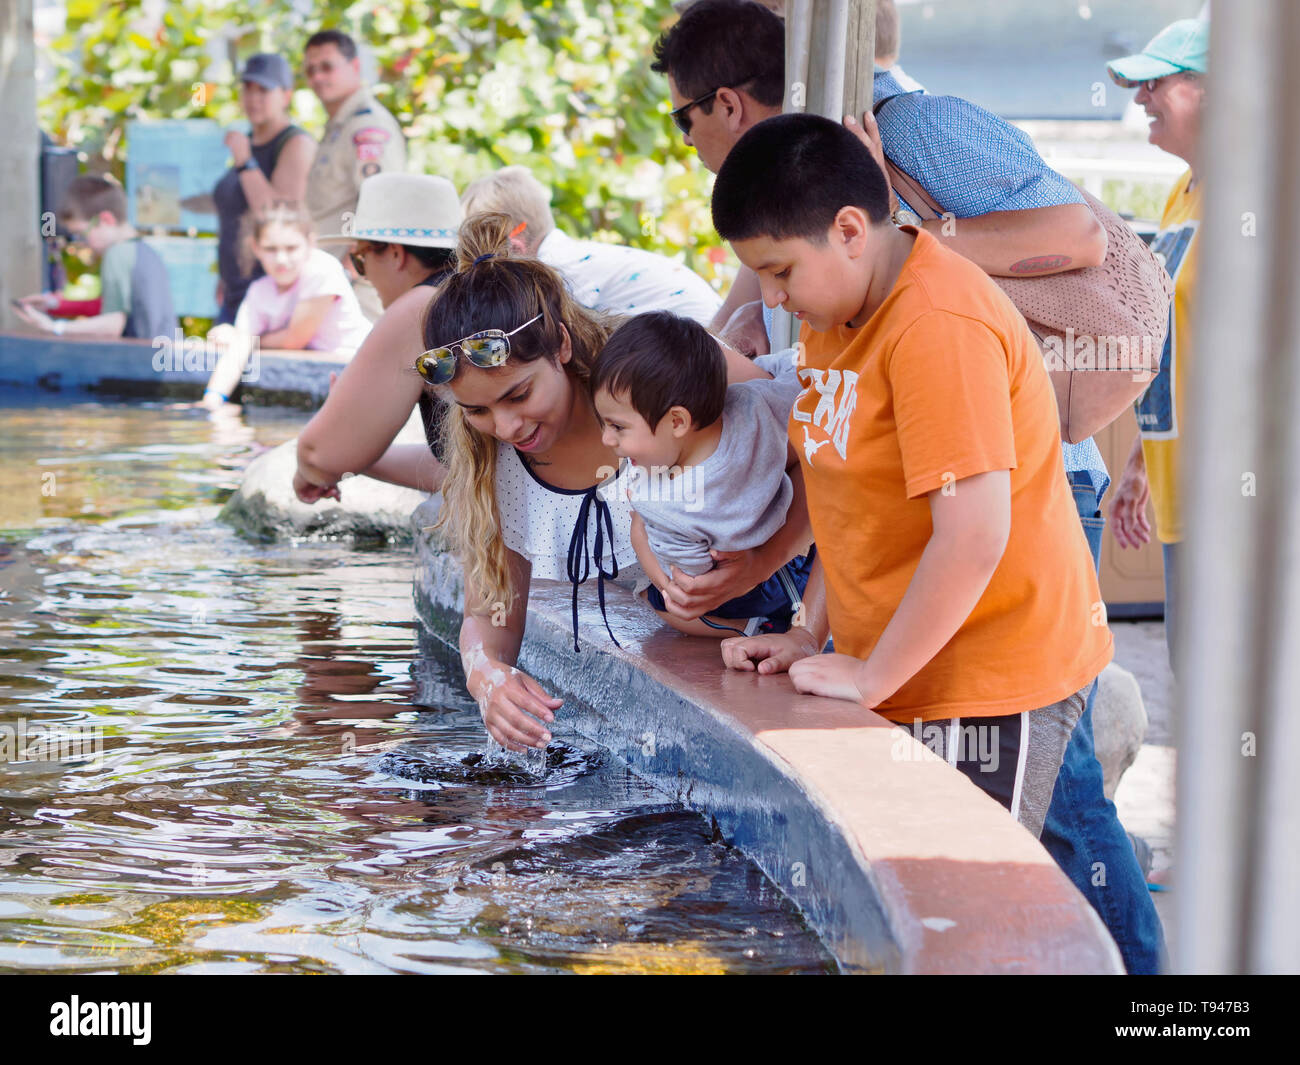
<point x="1181" y="46"/>
<point x="1171" y="85"/>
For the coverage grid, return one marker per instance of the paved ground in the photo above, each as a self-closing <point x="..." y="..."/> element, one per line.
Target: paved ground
<point x="1145" y="798"/>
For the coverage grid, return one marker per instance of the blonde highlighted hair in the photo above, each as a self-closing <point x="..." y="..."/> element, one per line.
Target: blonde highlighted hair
<point x="490" y="290"/>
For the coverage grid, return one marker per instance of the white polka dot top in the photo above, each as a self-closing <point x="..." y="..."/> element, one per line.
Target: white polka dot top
<point x="539" y="522"/>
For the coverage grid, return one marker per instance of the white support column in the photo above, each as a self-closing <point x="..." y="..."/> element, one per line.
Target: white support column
<point x="20" y="243"/>
<point x="1238" y="845"/>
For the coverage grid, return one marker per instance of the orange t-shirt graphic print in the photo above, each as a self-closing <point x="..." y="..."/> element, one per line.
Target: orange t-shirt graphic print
<point x="942" y="383"/>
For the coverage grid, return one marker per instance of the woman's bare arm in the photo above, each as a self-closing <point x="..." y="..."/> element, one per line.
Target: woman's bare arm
<point x="371" y="400"/>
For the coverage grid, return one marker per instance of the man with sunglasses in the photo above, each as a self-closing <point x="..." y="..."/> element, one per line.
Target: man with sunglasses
<point x="725" y="64"/>
<point x="361" y="138"/>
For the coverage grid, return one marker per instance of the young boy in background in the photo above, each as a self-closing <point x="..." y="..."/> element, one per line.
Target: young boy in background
<point x="136" y="298"/>
<point x="960" y="590"/>
<point x="710" y="462"/>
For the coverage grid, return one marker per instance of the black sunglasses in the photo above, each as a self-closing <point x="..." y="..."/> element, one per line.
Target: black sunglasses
<point x="486" y="349"/>
<point x="358" y="258"/>
<point x="681" y="116"/>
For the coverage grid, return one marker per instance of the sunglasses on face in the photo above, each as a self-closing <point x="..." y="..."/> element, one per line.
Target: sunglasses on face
<point x="358" y="258"/>
<point x="682" y="116"/>
<point x="1151" y="84"/>
<point x="486" y="349"/>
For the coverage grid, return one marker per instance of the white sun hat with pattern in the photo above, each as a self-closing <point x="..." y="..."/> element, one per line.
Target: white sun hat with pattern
<point x="418" y="210"/>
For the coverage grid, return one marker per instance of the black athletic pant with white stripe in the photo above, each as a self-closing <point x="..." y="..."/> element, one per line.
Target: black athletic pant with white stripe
<point x="1014" y="758"/>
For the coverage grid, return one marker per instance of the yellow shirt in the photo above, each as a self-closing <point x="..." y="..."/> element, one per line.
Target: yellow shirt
<point x="1160" y="410"/>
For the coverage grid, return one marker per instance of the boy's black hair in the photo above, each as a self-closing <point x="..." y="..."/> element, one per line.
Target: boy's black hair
<point x="346" y="45"/>
<point x="659" y="361"/>
<point x="790" y="175"/>
<point x="724" y="44"/>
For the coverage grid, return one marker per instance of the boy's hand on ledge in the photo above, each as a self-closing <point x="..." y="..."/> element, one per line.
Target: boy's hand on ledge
<point x="30" y="314"/>
<point x="770" y="653"/>
<point x="834" y="676"/>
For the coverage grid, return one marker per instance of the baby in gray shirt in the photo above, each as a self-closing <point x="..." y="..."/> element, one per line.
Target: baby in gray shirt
<point x="709" y="461"/>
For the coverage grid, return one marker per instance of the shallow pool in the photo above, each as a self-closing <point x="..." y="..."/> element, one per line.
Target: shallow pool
<point x="211" y="731"/>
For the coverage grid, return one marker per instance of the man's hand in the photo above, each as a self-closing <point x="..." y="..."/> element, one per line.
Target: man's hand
<point x="513" y="705"/>
<point x="1128" y="506"/>
<point x="240" y="151"/>
<point x="869" y="134"/>
<point x="834" y="676"/>
<point x="769" y="653"/>
<point x="745" y="331"/>
<point x="734" y="573"/>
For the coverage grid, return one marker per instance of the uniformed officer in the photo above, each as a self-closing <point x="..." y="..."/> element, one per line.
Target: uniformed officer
<point x="361" y="138"/>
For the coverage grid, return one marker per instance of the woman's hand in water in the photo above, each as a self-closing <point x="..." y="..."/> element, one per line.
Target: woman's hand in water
<point x="313" y="493"/>
<point x="734" y="573"/>
<point x="512" y="703"/>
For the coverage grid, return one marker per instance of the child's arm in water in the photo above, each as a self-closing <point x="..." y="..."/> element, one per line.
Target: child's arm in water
<point x="303" y="324"/>
<point x="971" y="528"/>
<point x="235" y="346"/>
<point x="513" y="705"/>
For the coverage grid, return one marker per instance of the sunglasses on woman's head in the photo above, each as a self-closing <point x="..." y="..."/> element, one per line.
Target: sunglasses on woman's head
<point x="486" y="349"/>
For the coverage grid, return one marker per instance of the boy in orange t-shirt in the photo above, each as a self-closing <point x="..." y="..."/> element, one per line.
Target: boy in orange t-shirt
<point x="960" y="591"/>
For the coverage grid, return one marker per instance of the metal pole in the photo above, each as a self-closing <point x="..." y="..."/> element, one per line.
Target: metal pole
<point x="830" y="48"/>
<point x="1239" y="599"/>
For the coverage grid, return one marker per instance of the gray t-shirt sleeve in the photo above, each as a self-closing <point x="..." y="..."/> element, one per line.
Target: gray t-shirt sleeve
<point x="783" y="389"/>
<point x="152" y="313"/>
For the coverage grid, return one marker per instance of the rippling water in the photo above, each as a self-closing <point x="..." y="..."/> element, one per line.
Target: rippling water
<point x="258" y="792"/>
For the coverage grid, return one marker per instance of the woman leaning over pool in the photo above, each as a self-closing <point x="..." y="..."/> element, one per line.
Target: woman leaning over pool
<point x="528" y="491"/>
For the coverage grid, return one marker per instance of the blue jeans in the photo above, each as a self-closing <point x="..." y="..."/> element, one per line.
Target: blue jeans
<point x="1082" y="832"/>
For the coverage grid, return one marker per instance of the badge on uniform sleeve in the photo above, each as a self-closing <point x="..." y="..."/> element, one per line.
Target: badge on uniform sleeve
<point x="369" y="144"/>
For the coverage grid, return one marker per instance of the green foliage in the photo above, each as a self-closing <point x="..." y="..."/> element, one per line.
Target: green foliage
<point x="561" y="86"/>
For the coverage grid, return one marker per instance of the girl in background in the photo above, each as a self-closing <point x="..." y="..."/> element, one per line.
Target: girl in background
<point x="303" y="302"/>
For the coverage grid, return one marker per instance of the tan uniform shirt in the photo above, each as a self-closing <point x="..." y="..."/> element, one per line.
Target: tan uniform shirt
<point x="361" y="139"/>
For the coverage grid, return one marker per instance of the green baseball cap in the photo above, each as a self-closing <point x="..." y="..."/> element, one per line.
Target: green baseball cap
<point x="1182" y="45"/>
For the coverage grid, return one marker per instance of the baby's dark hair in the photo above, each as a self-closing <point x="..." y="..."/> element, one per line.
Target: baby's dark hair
<point x="790" y="175"/>
<point x="660" y="361"/>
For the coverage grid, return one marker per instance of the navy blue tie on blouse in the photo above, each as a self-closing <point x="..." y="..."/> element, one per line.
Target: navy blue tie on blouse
<point x="580" y="558"/>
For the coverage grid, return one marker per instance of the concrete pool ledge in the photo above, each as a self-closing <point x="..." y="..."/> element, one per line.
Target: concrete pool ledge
<point x="131" y="368"/>
<point x="897" y="861"/>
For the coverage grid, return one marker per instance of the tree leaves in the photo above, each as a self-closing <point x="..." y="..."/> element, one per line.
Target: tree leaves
<point x="561" y="86"/>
